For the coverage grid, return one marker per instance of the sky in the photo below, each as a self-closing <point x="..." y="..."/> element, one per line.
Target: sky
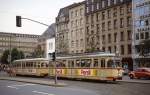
<point x="44" y="11"/>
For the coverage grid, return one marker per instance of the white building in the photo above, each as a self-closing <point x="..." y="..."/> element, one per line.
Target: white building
<point x="50" y="46"/>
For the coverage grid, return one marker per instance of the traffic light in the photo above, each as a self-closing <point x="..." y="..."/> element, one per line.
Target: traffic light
<point x="53" y="56"/>
<point x="18" y="21"/>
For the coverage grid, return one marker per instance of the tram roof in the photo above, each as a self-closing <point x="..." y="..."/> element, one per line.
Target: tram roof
<point x="33" y="59"/>
<point x="98" y="54"/>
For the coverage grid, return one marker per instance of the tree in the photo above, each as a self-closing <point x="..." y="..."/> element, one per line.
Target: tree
<point x="4" y="58"/>
<point x="15" y="54"/>
<point x="38" y="52"/>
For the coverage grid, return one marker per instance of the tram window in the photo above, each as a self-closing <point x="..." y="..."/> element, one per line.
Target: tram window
<point x="34" y="64"/>
<point x="72" y="63"/>
<point x="39" y="65"/>
<point x="46" y="64"/>
<point x="95" y="63"/>
<point x="51" y="64"/>
<point x="61" y="64"/>
<point x="103" y="63"/>
<point x="31" y="64"/>
<point x="42" y="64"/>
<point x="86" y="62"/>
<point x="110" y="63"/>
<point x="77" y="63"/>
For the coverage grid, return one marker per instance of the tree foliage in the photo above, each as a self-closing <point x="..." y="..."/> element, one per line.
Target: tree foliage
<point x="5" y="56"/>
<point x="38" y="52"/>
<point x="15" y="54"/>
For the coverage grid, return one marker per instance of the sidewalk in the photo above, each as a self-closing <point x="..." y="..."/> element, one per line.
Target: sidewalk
<point x="127" y="79"/>
<point x="4" y="76"/>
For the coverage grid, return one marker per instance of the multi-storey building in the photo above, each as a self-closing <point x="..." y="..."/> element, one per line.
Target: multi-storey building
<point x="109" y="28"/>
<point x="62" y="22"/>
<point x="77" y="28"/>
<point x="141" y="36"/>
<point x="48" y="34"/>
<point x="23" y="42"/>
<point x="70" y="29"/>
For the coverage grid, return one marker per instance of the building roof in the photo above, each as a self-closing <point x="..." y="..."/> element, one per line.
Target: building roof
<point x="50" y="32"/>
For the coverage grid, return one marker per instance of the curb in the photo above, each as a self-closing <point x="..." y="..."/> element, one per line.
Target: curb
<point x="34" y="82"/>
<point x="140" y="82"/>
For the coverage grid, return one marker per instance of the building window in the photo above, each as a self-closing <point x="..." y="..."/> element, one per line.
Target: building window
<point x="146" y="35"/>
<point x="129" y="49"/>
<point x="72" y="14"/>
<point x="92" y="8"/>
<point x="103" y="15"/>
<point x="129" y="9"/>
<point x="121" y="22"/>
<point x="103" y="3"/>
<point x="97" y="5"/>
<point x="109" y="25"/>
<point x="142" y="35"/>
<point x="115" y="1"/>
<point x="137" y="36"/>
<point x="103" y="26"/>
<point x="81" y="12"/>
<point x="109" y="38"/>
<point x="92" y="18"/>
<point x="115" y="12"/>
<point x="109" y="49"/>
<point x="115" y="37"/>
<point x="76" y="43"/>
<point x="115" y="24"/>
<point x="109" y="2"/>
<point x="87" y="19"/>
<point x="97" y="28"/>
<point x="129" y="21"/>
<point x="72" y="44"/>
<point x="87" y="29"/>
<point x="129" y="35"/>
<point x="97" y="17"/>
<point x="103" y="37"/>
<point x="103" y="48"/>
<point x="121" y="10"/>
<point x="87" y="9"/>
<point x="115" y="48"/>
<point x="109" y="13"/>
<point x="122" y="36"/>
<point x="122" y="49"/>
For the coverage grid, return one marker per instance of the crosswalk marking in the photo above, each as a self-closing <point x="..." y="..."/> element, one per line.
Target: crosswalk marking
<point x="16" y="86"/>
<point x="42" y="93"/>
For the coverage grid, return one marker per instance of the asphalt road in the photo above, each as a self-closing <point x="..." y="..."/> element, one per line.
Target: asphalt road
<point x="74" y="88"/>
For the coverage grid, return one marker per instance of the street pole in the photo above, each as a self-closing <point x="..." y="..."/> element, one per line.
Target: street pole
<point x="10" y="51"/>
<point x="55" y="69"/>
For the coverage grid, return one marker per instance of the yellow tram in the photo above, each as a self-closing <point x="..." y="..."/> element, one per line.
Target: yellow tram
<point x="96" y="66"/>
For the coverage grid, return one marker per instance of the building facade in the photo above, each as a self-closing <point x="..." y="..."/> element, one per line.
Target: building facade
<point x="109" y="28"/>
<point x="23" y="42"/>
<point x="77" y="28"/>
<point x="62" y="29"/>
<point x="48" y="34"/>
<point x="141" y="36"/>
<point x="70" y="29"/>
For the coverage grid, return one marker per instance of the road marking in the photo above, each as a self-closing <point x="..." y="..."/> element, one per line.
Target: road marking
<point x="42" y="93"/>
<point x="15" y="86"/>
<point x="12" y="87"/>
<point x="24" y="85"/>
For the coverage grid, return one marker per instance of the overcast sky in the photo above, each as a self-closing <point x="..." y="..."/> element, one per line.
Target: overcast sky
<point x="41" y="10"/>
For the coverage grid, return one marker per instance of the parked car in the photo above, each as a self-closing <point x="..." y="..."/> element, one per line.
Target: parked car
<point x="140" y="73"/>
